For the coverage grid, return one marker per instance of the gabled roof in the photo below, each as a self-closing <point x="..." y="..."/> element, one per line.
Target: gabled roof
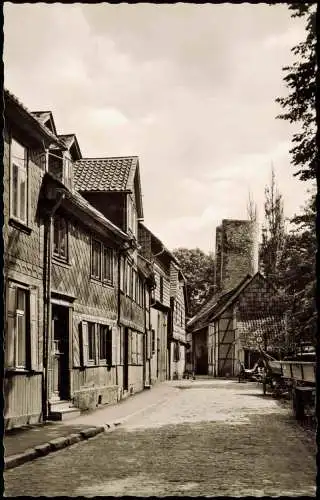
<point x="105" y="174"/>
<point x="70" y="140"/>
<point x="217" y="304"/>
<point x="46" y="118"/>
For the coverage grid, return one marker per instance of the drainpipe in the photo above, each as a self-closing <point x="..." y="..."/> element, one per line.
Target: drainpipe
<point x="47" y="301"/>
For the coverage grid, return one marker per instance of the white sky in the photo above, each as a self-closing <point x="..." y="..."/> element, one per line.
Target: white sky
<point x="190" y="89"/>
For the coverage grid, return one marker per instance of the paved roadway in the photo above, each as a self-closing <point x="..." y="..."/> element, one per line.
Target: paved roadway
<point x="204" y="437"/>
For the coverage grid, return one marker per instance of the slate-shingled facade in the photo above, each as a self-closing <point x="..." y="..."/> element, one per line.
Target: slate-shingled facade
<point x="79" y="296"/>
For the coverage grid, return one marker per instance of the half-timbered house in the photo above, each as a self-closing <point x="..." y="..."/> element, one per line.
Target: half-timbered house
<point x="231" y="327"/>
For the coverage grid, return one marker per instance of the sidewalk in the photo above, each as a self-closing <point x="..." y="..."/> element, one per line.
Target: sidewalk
<point x="30" y="442"/>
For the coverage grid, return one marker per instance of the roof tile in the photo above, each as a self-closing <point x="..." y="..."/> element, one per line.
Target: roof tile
<point x="105" y="174"/>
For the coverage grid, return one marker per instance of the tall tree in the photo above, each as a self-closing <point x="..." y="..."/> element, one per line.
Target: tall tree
<point x="299" y="105"/>
<point x="273" y="232"/>
<point x="298" y="277"/>
<point x="198" y="268"/>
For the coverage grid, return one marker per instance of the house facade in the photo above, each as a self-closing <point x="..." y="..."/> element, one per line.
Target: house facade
<point x="26" y="142"/>
<point x="168" y="309"/>
<point x="112" y="185"/>
<point x="89" y="316"/>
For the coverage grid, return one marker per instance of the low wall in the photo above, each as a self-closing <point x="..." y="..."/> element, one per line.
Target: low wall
<point x="88" y="398"/>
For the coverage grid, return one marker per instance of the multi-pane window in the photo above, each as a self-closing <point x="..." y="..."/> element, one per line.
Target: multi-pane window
<point x="19" y="182"/>
<point x="97" y="343"/>
<point x="91" y="342"/>
<point x="96" y="259"/>
<point x="102" y="262"/>
<point x="17" y="327"/>
<point x="108" y="265"/>
<point x="21" y="327"/>
<point x="60" y="238"/>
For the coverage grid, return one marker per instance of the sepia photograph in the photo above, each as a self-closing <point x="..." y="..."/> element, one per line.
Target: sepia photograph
<point x="159" y="197"/>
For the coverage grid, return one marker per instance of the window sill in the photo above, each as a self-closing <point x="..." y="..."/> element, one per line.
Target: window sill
<point x="108" y="284"/>
<point x="13" y="371"/>
<point x="60" y="262"/>
<point x="21" y="226"/>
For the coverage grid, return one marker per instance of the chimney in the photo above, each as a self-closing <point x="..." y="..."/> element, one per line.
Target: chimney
<point x="236" y="252"/>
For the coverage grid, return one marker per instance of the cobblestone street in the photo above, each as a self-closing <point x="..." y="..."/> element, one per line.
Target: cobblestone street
<point x="207" y="437"/>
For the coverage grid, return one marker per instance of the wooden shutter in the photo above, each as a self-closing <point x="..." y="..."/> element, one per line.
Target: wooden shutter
<point x="34" y="331"/>
<point x="114" y="346"/>
<point x="119" y="345"/>
<point x="129" y="346"/>
<point x="76" y="344"/>
<point x="84" y="342"/>
<point x="10" y="326"/>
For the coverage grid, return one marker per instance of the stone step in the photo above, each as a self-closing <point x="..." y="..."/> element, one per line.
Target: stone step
<point x="60" y="403"/>
<point x="64" y="413"/>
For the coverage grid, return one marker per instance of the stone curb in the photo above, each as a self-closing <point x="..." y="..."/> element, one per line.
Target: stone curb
<point x="54" y="445"/>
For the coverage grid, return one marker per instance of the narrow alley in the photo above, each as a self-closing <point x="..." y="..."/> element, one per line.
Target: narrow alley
<point x="189" y="437"/>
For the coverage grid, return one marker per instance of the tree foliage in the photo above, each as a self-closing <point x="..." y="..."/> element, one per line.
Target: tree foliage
<point x="299" y="105"/>
<point x="198" y="268"/>
<point x="298" y="277"/>
<point x="273" y="232"/>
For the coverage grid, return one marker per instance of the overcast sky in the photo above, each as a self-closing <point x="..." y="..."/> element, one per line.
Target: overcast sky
<point x="190" y="89"/>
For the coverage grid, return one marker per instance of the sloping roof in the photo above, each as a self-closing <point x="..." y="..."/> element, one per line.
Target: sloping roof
<point x="43" y="117"/>
<point x="105" y="174"/>
<point x="78" y="200"/>
<point x="217" y="304"/>
<point x="67" y="139"/>
<point x="30" y="117"/>
<point x="70" y="140"/>
<point x="271" y="327"/>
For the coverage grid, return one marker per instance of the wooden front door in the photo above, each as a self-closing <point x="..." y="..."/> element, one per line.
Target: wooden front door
<point x="126" y="359"/>
<point x="60" y="362"/>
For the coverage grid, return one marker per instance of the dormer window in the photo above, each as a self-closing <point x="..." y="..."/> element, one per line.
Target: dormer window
<point x="67" y="170"/>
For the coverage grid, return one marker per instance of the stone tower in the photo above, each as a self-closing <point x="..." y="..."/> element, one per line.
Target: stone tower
<point x="236" y="252"/>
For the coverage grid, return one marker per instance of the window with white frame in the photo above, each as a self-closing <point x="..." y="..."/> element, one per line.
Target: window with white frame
<point x="19" y="181"/>
<point x="60" y="237"/>
<point x="17" y="340"/>
<point x="107" y="265"/>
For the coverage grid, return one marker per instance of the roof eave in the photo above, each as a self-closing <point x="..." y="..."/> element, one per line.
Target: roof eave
<point x="31" y="120"/>
<point x="75" y="199"/>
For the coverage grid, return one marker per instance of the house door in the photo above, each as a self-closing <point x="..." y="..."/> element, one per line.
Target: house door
<point x="125" y="359"/>
<point x="60" y="368"/>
